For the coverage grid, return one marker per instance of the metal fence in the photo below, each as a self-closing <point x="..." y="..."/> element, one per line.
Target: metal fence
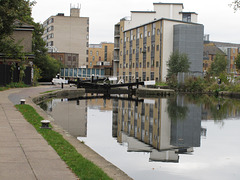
<point x="182" y="76"/>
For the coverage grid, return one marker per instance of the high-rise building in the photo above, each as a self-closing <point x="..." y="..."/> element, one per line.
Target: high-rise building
<point x="68" y="34"/>
<point x="144" y="42"/>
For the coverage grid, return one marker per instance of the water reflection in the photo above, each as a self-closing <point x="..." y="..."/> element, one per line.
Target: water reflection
<point x="153" y="126"/>
<point x="160" y="129"/>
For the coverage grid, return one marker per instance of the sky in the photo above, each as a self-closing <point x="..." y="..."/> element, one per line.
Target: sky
<point x="219" y="19"/>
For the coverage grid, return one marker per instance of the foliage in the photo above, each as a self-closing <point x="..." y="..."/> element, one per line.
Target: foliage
<point x="236" y="5"/>
<point x="195" y="84"/>
<point x="13" y="85"/>
<point x="178" y="62"/>
<point x="22" y="69"/>
<point x="50" y="68"/>
<point x="219" y="65"/>
<point x="11" y="10"/>
<point x="175" y="111"/>
<point x="237" y="60"/>
<point x="83" y="168"/>
<point x="36" y="75"/>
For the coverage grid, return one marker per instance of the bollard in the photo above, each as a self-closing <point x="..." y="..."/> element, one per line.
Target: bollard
<point x="22" y="101"/>
<point x="45" y="124"/>
<point x="62" y="85"/>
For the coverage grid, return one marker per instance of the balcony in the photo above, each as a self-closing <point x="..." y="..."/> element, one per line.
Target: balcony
<point x="116" y="46"/>
<point x="116" y="59"/>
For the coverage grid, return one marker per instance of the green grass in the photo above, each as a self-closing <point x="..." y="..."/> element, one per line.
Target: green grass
<point x="48" y="91"/>
<point x="161" y="84"/>
<point x="82" y="167"/>
<point x="13" y="85"/>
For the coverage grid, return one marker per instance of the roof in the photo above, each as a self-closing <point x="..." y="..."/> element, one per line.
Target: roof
<point x="225" y="44"/>
<point x="213" y="50"/>
<point x="159" y="3"/>
<point x="188" y="13"/>
<point x="166" y="19"/>
<point x="19" y="25"/>
<point x="143" y="11"/>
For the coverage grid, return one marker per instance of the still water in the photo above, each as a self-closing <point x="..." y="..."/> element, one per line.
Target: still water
<point x="180" y="137"/>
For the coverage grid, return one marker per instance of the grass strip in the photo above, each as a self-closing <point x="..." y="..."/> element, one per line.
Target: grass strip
<point x="82" y="167"/>
<point x="49" y="91"/>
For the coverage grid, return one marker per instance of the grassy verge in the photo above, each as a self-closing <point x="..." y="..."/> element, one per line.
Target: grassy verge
<point x="13" y="85"/>
<point x="83" y="168"/>
<point x="48" y="91"/>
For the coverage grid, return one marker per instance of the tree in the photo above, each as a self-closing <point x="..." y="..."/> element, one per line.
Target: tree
<point x="238" y="62"/>
<point x="178" y="62"/>
<point x="219" y="65"/>
<point x="10" y="10"/>
<point x="236" y="5"/>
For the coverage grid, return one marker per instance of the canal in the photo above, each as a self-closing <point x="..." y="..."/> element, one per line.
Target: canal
<point x="182" y="137"/>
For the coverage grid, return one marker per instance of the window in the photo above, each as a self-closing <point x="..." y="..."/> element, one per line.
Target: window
<point x="157" y="47"/>
<point x="144" y="76"/>
<point x="91" y="53"/>
<point x="145" y="31"/>
<point x="90" y="64"/>
<point x="141" y="35"/>
<point x="86" y="59"/>
<point x="148" y="64"/>
<point x="97" y="53"/>
<point x="87" y="52"/>
<point x="152" y="75"/>
<point x="148" y="48"/>
<point x="74" y="58"/>
<point x="158" y="31"/>
<point x="93" y="58"/>
<point x="156" y="63"/>
<point x="149" y="33"/>
<point x="133" y="51"/>
<point x="186" y="17"/>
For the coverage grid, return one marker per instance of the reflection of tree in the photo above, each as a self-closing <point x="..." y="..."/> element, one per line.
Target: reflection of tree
<point x="216" y="107"/>
<point x="175" y="111"/>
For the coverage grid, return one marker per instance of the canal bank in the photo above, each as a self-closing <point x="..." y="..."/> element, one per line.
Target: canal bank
<point x="29" y="94"/>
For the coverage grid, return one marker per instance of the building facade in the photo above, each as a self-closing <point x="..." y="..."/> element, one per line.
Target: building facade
<point x="69" y="60"/>
<point x="144" y="43"/>
<point x="100" y="54"/>
<point x="68" y="34"/>
<point x="229" y="50"/>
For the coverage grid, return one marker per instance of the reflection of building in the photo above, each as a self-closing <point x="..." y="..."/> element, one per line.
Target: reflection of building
<point x="187" y="132"/>
<point x="144" y="43"/>
<point x="73" y="118"/>
<point x="148" y="128"/>
<point x="68" y="34"/>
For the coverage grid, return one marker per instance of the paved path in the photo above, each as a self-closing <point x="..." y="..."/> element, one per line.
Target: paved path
<point x="24" y="154"/>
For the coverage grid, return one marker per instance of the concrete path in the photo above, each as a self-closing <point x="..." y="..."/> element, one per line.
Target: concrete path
<point x="24" y="154"/>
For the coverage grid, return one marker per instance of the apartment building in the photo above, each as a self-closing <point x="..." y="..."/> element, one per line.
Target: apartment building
<point x="212" y="48"/>
<point x="144" y="42"/>
<point x="100" y="54"/>
<point x="69" y="60"/>
<point x="68" y="34"/>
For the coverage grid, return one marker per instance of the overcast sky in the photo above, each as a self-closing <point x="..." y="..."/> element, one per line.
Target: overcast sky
<point x="218" y="18"/>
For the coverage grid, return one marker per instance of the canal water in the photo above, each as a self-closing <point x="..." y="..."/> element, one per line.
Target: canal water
<point x="183" y="137"/>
